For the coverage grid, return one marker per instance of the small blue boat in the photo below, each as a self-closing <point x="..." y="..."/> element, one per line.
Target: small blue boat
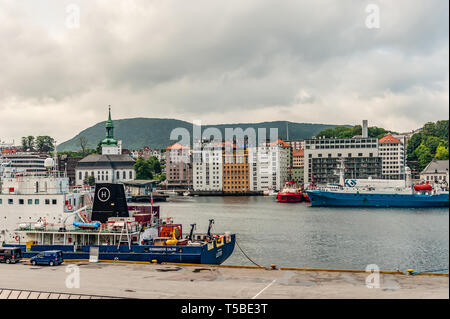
<point x="87" y="225"/>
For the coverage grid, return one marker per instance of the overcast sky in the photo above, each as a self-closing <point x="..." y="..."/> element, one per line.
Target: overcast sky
<point x="221" y="62"/>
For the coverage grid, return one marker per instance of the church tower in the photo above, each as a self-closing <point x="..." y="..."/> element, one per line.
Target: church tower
<point x="110" y="146"/>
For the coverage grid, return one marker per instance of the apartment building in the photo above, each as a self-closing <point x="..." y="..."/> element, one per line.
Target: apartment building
<point x="297" y="145"/>
<point x="360" y="154"/>
<point x="207" y="167"/>
<point x="298" y="163"/>
<point x="270" y="163"/>
<point x="392" y="151"/>
<point x="236" y="170"/>
<point x="178" y="166"/>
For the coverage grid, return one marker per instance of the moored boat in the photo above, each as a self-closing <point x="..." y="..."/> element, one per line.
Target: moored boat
<point x="100" y="223"/>
<point x="290" y="193"/>
<point x="378" y="193"/>
<point x="377" y="198"/>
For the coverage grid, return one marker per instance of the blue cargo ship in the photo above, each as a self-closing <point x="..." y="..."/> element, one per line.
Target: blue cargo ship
<point x="376" y="199"/>
<point x="378" y="193"/>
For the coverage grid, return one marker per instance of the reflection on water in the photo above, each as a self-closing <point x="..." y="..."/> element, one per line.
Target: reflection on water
<point x="298" y="235"/>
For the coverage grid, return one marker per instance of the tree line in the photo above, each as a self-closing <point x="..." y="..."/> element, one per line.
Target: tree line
<point x="349" y="132"/>
<point x="44" y="144"/>
<point x="431" y="142"/>
<point x="148" y="169"/>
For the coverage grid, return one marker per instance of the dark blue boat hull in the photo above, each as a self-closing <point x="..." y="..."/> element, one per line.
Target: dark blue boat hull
<point x="211" y="254"/>
<point x="341" y="199"/>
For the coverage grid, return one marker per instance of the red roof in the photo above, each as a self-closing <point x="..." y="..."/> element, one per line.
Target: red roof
<point x="300" y="153"/>
<point x="177" y="146"/>
<point x="281" y="143"/>
<point x="389" y="139"/>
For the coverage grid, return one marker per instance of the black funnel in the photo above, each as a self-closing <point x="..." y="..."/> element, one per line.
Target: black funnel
<point x="109" y="201"/>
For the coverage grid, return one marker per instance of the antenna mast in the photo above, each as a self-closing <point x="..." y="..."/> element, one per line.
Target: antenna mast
<point x="287" y="131"/>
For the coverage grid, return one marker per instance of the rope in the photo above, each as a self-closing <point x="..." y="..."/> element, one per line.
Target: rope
<point x="246" y="255"/>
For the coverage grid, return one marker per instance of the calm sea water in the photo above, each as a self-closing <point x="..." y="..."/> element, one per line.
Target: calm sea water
<point x="298" y="235"/>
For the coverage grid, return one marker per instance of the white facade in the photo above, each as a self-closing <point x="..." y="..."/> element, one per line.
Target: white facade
<point x="207" y="169"/>
<point x="436" y="172"/>
<point x="393" y="154"/>
<point x="269" y="167"/>
<point x="112" y="149"/>
<point x="104" y="175"/>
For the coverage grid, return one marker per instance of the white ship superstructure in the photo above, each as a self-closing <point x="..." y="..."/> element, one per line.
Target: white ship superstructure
<point x="28" y="197"/>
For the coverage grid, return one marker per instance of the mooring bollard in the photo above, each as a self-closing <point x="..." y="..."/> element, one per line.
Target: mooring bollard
<point x="273" y="266"/>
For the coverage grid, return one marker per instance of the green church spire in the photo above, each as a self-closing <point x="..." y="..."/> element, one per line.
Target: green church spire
<point x="109" y="140"/>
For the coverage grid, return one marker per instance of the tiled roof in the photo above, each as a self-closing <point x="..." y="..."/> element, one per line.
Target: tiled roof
<point x="389" y="139"/>
<point x="280" y="141"/>
<point x="298" y="152"/>
<point x="106" y="161"/>
<point x="436" y="167"/>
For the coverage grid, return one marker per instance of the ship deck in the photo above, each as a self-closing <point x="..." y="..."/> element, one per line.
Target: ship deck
<point x="134" y="280"/>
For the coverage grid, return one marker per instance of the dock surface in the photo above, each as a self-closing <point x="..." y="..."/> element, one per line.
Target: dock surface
<point x="126" y="280"/>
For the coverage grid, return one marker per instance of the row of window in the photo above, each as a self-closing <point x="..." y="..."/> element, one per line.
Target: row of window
<point x="340" y="155"/>
<point x="104" y="175"/>
<point x="343" y="146"/>
<point x="30" y="201"/>
<point x="344" y="141"/>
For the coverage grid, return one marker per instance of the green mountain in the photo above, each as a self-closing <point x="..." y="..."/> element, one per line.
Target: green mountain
<point x="136" y="133"/>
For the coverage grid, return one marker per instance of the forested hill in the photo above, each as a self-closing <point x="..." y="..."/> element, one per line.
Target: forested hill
<point x="136" y="133"/>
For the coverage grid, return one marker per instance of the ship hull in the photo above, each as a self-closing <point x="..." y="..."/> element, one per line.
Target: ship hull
<point x="342" y="199"/>
<point x="289" y="197"/>
<point x="211" y="254"/>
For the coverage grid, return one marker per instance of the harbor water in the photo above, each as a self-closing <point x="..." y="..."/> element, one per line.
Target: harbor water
<point x="298" y="235"/>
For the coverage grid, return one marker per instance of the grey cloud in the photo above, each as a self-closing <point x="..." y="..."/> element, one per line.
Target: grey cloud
<point x="263" y="60"/>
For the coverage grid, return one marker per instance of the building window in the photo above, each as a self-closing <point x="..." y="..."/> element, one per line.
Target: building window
<point x="36" y="202"/>
<point x="10" y="201"/>
<point x="131" y="174"/>
<point x="54" y="201"/>
<point x="118" y="175"/>
<point x="47" y="202"/>
<point x="21" y="201"/>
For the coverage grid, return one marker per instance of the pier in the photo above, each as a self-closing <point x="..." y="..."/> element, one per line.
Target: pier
<point x="144" y="280"/>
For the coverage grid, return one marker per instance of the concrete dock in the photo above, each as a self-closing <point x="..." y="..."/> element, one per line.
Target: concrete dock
<point x="127" y="280"/>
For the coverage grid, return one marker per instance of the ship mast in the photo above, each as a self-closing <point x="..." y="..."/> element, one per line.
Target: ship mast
<point x="340" y="171"/>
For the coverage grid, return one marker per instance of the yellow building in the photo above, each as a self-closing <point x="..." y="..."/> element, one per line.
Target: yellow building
<point x="236" y="176"/>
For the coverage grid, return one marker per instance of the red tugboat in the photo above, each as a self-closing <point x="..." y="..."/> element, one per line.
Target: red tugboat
<point x="290" y="193"/>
